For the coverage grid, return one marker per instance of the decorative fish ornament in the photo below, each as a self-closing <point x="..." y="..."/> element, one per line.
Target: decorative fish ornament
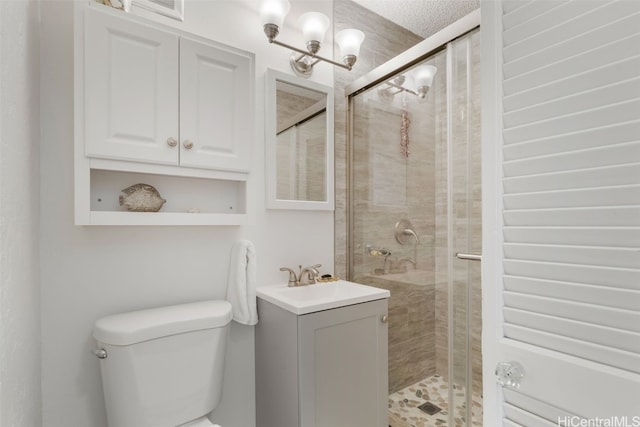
<point x="141" y="198"/>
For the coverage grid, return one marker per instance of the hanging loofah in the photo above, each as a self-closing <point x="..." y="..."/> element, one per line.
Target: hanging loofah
<point x="404" y="130"/>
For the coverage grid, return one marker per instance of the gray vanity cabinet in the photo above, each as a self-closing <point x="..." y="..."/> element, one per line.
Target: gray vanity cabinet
<point x="322" y="369"/>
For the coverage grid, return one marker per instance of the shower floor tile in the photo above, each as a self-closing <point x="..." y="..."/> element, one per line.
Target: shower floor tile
<point x="404" y="411"/>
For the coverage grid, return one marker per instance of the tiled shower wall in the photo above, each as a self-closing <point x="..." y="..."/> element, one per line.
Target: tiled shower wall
<point x="384" y="40"/>
<point x="390" y="185"/>
<point x="399" y="188"/>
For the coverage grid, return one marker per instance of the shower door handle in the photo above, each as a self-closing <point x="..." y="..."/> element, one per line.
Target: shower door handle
<point x="469" y="257"/>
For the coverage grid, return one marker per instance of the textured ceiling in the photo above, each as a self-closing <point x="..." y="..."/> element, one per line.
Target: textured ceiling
<point x="422" y="17"/>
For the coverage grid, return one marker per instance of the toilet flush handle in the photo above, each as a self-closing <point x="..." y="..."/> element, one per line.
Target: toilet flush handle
<point x="100" y="353"/>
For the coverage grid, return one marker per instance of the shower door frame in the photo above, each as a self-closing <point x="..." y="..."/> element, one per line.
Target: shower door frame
<point x="413" y="56"/>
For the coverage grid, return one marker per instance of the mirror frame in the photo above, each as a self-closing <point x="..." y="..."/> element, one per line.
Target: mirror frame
<point x="272" y="77"/>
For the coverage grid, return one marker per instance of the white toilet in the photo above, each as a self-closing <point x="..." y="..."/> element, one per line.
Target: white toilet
<point x="163" y="367"/>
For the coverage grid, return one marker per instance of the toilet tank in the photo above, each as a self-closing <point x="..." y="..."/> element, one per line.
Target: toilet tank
<point x="164" y="366"/>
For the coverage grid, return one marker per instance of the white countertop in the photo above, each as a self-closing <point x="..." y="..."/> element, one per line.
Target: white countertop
<point x="320" y="296"/>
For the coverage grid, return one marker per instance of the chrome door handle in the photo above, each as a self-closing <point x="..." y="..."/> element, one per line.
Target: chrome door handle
<point x="469" y="257"/>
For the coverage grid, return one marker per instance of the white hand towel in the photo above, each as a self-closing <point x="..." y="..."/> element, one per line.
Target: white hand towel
<point x="241" y="288"/>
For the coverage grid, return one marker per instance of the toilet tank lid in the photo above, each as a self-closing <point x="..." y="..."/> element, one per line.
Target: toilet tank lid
<point x="137" y="326"/>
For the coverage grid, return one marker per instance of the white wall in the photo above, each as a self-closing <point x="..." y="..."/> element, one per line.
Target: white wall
<point x="89" y="272"/>
<point x="19" y="285"/>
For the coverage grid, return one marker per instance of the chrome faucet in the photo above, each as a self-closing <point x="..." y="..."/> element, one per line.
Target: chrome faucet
<point x="307" y="276"/>
<point x="408" y="260"/>
<point x="293" y="280"/>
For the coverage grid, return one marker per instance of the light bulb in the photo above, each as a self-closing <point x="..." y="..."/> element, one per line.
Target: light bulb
<point x="349" y="42"/>
<point x="273" y="12"/>
<point x="423" y="77"/>
<point x="314" y="26"/>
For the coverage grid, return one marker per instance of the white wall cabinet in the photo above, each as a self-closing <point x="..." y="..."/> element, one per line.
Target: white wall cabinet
<point x="131" y="90"/>
<point x="323" y="369"/>
<point x="156" y="104"/>
<point x="158" y="97"/>
<point x="215" y="107"/>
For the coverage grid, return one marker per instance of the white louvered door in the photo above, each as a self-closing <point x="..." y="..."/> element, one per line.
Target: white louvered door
<point x="561" y="189"/>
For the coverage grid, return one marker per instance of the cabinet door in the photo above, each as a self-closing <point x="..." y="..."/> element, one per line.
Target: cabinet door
<point x="343" y="366"/>
<point x="131" y="90"/>
<point x="216" y="107"/>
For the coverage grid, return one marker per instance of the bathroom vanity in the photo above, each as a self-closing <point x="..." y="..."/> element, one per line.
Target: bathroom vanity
<point x="321" y="356"/>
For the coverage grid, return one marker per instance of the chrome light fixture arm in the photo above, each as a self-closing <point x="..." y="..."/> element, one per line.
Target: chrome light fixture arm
<point x="306" y="54"/>
<point x="314" y="26"/>
<point x="400" y="88"/>
<point x="421" y="79"/>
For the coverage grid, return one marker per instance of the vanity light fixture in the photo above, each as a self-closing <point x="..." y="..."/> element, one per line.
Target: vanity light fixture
<point x="423" y="77"/>
<point x="416" y="82"/>
<point x="314" y="26"/>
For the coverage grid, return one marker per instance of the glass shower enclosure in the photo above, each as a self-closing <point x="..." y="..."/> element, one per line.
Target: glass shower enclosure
<point x="415" y="227"/>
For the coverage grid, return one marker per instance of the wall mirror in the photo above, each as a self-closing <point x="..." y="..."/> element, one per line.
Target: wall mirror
<point x="299" y="143"/>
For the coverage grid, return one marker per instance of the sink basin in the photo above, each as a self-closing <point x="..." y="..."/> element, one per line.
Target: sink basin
<point x="321" y="296"/>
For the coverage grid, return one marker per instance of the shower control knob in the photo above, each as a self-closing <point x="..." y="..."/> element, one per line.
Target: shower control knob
<point x="384" y="319"/>
<point x="509" y="374"/>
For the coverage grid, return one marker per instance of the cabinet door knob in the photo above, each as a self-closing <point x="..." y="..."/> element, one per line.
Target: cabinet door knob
<point x="384" y="319"/>
<point x="187" y="144"/>
<point x="171" y="142"/>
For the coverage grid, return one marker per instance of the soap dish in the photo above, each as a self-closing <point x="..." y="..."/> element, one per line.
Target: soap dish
<point x="324" y="279"/>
